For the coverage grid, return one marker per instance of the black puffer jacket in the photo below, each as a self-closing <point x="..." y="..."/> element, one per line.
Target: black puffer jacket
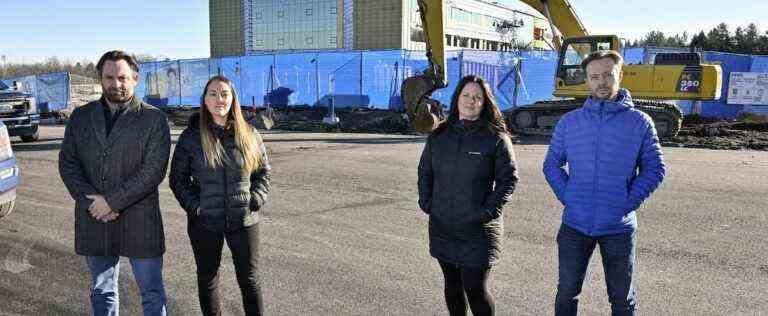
<point x="466" y="175"/>
<point x="228" y="197"/>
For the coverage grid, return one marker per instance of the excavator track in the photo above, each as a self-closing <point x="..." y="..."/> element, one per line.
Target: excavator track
<point x="541" y="117"/>
<point x="666" y="116"/>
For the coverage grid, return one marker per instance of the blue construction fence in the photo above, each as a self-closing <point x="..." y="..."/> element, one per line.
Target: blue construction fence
<point x="51" y="91"/>
<point x="370" y="79"/>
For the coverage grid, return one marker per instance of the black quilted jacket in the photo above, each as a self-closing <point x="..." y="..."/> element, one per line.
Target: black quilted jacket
<point x="466" y="175"/>
<point x="227" y="197"/>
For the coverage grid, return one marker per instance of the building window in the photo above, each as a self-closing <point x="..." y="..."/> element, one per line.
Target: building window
<point x="332" y="40"/>
<point x="417" y="35"/>
<point x="259" y="15"/>
<point x="332" y="10"/>
<point x="280" y="13"/>
<point x="280" y="42"/>
<point x="308" y="11"/>
<point x="308" y="40"/>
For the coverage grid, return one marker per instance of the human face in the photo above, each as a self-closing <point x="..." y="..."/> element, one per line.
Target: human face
<point x="218" y="101"/>
<point x="471" y="102"/>
<point x="118" y="81"/>
<point x="604" y="77"/>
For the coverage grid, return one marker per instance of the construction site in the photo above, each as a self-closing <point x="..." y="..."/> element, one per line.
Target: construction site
<point x="709" y="124"/>
<point x="344" y="94"/>
<point x="530" y="59"/>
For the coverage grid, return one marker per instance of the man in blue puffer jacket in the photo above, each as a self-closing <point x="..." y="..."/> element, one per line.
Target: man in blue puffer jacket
<point x="614" y="163"/>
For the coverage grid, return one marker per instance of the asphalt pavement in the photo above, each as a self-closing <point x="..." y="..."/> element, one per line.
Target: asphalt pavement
<point x="341" y="234"/>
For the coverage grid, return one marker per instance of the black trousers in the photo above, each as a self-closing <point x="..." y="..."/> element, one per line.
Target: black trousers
<point x="470" y="280"/>
<point x="243" y="244"/>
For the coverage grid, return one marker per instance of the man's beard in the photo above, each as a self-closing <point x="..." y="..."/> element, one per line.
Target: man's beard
<point x="602" y="93"/>
<point x="116" y="95"/>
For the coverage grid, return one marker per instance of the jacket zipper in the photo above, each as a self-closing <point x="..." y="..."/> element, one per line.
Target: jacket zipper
<point x="453" y="201"/>
<point x="597" y="168"/>
<point x="226" y="197"/>
<point x="107" y="240"/>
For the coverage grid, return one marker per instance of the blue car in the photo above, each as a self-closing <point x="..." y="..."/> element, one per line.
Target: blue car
<point x="9" y="173"/>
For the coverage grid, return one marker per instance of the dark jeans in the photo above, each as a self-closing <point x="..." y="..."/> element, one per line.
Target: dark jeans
<point x="470" y="280"/>
<point x="243" y="244"/>
<point x="574" y="250"/>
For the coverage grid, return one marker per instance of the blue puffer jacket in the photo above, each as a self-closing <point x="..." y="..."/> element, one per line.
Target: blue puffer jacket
<point x="614" y="163"/>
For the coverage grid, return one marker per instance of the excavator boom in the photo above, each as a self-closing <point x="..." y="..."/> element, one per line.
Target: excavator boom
<point x="425" y="113"/>
<point x="561" y="15"/>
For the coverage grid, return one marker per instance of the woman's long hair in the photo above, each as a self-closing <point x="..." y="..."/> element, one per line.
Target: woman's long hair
<point x="491" y="113"/>
<point x="248" y="145"/>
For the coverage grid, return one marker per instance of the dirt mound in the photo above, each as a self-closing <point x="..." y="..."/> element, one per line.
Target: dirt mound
<point x="749" y="131"/>
<point x="361" y="120"/>
<point x="350" y="120"/>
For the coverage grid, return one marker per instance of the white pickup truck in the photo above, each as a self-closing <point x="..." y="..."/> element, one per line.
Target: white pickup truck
<point x="18" y="110"/>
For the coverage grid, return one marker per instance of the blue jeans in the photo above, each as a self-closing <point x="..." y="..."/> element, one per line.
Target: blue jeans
<point x="574" y="250"/>
<point x="105" y="272"/>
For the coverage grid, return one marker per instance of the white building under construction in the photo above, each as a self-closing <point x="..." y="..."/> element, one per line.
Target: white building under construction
<point x="241" y="27"/>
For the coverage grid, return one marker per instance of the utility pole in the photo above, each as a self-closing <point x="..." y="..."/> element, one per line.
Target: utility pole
<point x="316" y="61"/>
<point x="2" y="73"/>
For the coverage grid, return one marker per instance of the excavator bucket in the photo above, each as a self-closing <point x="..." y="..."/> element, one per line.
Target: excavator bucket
<point x="424" y="120"/>
<point x="424" y="113"/>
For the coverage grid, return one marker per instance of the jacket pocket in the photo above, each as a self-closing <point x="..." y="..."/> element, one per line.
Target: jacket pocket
<point x="566" y="194"/>
<point x="479" y="163"/>
<point x="628" y="204"/>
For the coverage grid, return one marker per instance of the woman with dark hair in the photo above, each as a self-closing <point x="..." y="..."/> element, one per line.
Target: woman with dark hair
<point x="220" y="175"/>
<point x="466" y="174"/>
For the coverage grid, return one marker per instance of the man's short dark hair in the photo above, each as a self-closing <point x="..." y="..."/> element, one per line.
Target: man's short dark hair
<point x="602" y="54"/>
<point x="117" y="55"/>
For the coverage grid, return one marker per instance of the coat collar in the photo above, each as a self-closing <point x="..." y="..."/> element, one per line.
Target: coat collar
<point x="218" y="131"/>
<point x="132" y="111"/>
<point x="465" y="127"/>
<point x="622" y="102"/>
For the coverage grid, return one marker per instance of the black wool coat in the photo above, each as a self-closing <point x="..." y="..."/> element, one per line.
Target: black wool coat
<point x="126" y="168"/>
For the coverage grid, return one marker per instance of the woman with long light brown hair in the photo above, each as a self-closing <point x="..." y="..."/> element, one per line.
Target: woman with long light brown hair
<point x="220" y="175"/>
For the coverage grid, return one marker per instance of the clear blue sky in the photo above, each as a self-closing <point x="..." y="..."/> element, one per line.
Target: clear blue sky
<point x="32" y="30"/>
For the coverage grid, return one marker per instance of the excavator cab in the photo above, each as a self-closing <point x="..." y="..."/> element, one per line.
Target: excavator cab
<point x="570" y="78"/>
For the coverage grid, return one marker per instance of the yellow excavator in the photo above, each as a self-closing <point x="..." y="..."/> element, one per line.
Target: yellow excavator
<point x="672" y="76"/>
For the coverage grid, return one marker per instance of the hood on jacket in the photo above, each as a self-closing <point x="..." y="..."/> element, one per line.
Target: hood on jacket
<point x="623" y="101"/>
